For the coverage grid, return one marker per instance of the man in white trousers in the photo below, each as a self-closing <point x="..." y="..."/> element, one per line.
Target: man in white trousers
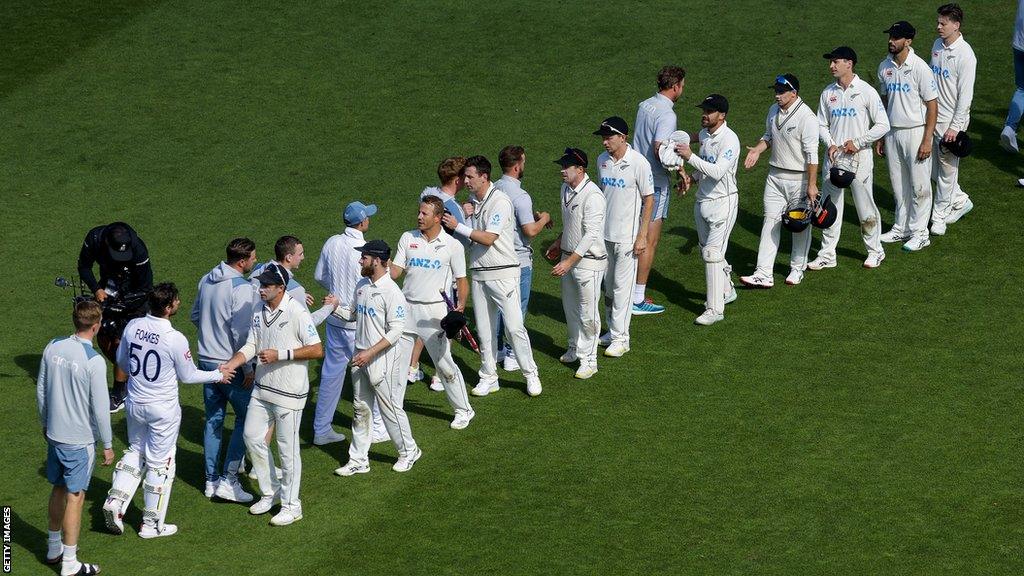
<point x="495" y="283"/>
<point x="954" y="66"/>
<point x="583" y="260"/>
<point x="791" y="131"/>
<point x="717" y="201"/>
<point x="380" y="366"/>
<point x="851" y="117"/>
<point x="431" y="260"/>
<point x="283" y="339"/>
<point x="156" y="357"/>
<point x="906" y="83"/>
<point x="628" y="186"/>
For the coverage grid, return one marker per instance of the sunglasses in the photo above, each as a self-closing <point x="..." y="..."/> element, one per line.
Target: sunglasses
<point x="780" y="79"/>
<point x="575" y="154"/>
<point x="612" y="128"/>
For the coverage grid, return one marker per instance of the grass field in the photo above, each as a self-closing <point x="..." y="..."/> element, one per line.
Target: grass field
<point x="865" y="422"/>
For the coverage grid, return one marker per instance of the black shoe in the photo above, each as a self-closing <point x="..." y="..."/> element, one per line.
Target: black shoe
<point x="87" y="570"/>
<point x="116" y="403"/>
<point x="56" y="560"/>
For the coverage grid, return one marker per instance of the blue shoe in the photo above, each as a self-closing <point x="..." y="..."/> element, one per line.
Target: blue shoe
<point x="647" y="307"/>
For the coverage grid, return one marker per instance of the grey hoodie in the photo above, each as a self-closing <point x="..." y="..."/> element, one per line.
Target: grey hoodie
<point x="223" y="312"/>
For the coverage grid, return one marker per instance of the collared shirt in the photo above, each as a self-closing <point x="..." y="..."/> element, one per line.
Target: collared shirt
<point x="655" y="120"/>
<point x="908" y="87"/>
<point x="853" y="113"/>
<point x="954" y="67"/>
<point x="498" y="261"/>
<point x="337" y="270"/>
<point x="430" y="265"/>
<point x="156" y="357"/>
<point x="71" y="393"/>
<point x="624" y="182"/>
<point x="522" y="208"/>
<point x="583" y="212"/>
<point x="793" y="135"/>
<point x="379" y="311"/>
<point x="716" y="164"/>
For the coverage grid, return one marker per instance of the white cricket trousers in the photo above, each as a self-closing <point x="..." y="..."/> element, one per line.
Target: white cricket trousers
<point x="911" y="181"/>
<point x="425" y="321"/>
<point x="150" y="457"/>
<point x="715" y="219"/>
<point x="782" y="193"/>
<point x="490" y="297"/>
<point x="337" y="353"/>
<point x="258" y="419"/>
<point x="863" y="201"/>
<point x="384" y="378"/>
<point x="946" y="173"/>
<point x="581" y="293"/>
<point x="619" y="282"/>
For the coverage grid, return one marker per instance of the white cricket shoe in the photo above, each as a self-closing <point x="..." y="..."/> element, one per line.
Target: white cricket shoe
<point x="708" y="318"/>
<point x="231" y="490"/>
<point x="211" y="488"/>
<point x="462" y="419"/>
<point x="264" y="504"/>
<point x="960" y="212"/>
<point x="415" y="375"/>
<point x="917" y="243"/>
<point x="286" y="517"/>
<point x="351" y="469"/>
<point x="153" y="531"/>
<point x="605" y="339"/>
<point x="795" y="277"/>
<point x="874" y="260"/>
<point x="939" y="227"/>
<point x="329" y="437"/>
<point x="485" y="387"/>
<point x="616" y="350"/>
<point x="112" y="516"/>
<point x="892" y="236"/>
<point x="533" y="387"/>
<point x="730" y="297"/>
<point x="820" y="263"/>
<point x="757" y="281"/>
<point x="436" y="385"/>
<point x="405" y="464"/>
<point x="509" y="363"/>
<point x="1008" y="140"/>
<point x="569" y="357"/>
<point x="585" y="372"/>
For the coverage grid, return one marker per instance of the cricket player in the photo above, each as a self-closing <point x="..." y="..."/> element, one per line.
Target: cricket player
<point x="954" y="65"/>
<point x="71" y="394"/>
<point x="907" y="84"/>
<point x="222" y="313"/>
<point x="378" y="368"/>
<point x="791" y="131"/>
<point x="583" y="260"/>
<point x="431" y="260"/>
<point x="851" y="117"/>
<point x="628" y="187"/>
<point x="156" y="357"/>
<point x="717" y="201"/>
<point x="495" y="268"/>
<point x="655" y="122"/>
<point x="283" y="338"/>
<point x="289" y="254"/>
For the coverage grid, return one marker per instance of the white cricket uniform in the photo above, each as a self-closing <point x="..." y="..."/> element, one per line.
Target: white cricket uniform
<point x="793" y="136"/>
<point x="907" y="87"/>
<point x="280" y="390"/>
<point x="655" y="121"/>
<point x="954" y="68"/>
<point x="296" y="290"/>
<point x="156" y="357"/>
<point x="430" y="268"/>
<point x="495" y="285"/>
<point x="714" y="210"/>
<point x="855" y="113"/>
<point x="583" y="209"/>
<point x="625" y="183"/>
<point x="380" y="312"/>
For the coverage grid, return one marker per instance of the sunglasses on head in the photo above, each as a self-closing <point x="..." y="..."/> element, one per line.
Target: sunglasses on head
<point x="780" y="79"/>
<point x="612" y="128"/>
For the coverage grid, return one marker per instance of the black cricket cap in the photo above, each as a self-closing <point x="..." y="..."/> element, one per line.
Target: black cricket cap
<point x="714" y="103"/>
<point x="842" y="53"/>
<point x="612" y="126"/>
<point x="572" y="157"/>
<point x="119" y="242"/>
<point x="273" y="275"/>
<point x="378" y="248"/>
<point x="961" y="146"/>
<point x="901" y="29"/>
<point x="786" y="82"/>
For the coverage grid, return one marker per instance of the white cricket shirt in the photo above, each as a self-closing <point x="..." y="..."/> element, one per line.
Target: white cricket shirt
<point x="499" y="260"/>
<point x="853" y="113"/>
<point x="583" y="224"/>
<point x="337" y="270"/>
<point x="908" y="87"/>
<point x="379" y="311"/>
<point x="655" y="120"/>
<point x="954" y="67"/>
<point x="793" y="135"/>
<point x="430" y="265"/>
<point x="156" y="357"/>
<point x="624" y="183"/>
<point x="719" y="154"/>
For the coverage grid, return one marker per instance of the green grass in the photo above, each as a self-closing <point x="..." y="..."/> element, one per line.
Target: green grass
<point x="866" y="422"/>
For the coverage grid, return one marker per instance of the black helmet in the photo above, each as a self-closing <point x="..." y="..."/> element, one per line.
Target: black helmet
<point x="961" y="146"/>
<point x="844" y="170"/>
<point x="824" y="213"/>
<point x="797" y="219"/>
<point x="453" y="323"/>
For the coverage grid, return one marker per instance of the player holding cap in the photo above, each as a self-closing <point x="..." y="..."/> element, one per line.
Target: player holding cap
<point x="791" y="131"/>
<point x="283" y="338"/>
<point x="954" y="65"/>
<point x="851" y="117"/>
<point x="907" y="84"/>
<point x="583" y="260"/>
<point x="382" y="355"/>
<point x="431" y="259"/>
<point x="495" y="267"/>
<point x="717" y="201"/>
<point x="628" y="187"/>
<point x="156" y="357"/>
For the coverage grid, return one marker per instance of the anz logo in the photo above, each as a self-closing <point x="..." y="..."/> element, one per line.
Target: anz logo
<point x="616" y="182"/>
<point x="425" y="263"/>
<point x="940" y="71"/>
<point x="367" y="310"/>
<point x="893" y="87"/>
<point x="844" y="113"/>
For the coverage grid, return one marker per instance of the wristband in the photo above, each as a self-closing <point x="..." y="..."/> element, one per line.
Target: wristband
<point x="463" y="229"/>
<point x="283" y="354"/>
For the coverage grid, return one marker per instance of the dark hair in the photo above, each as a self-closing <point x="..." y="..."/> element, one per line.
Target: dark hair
<point x="482" y="165"/>
<point x="435" y="203"/>
<point x="239" y="249"/>
<point x="87" y="314"/>
<point x="510" y="156"/>
<point x="953" y="11"/>
<point x="669" y="76"/>
<point x="285" y="246"/>
<point x="450" y="168"/>
<point x="162" y="296"/>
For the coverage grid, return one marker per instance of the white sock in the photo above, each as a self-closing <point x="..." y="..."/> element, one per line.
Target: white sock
<point x="53" y="544"/>
<point x="70" y="564"/>
<point x="639" y="293"/>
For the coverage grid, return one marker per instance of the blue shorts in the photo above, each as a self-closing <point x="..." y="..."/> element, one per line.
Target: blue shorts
<point x="70" y="466"/>
<point x="661" y="198"/>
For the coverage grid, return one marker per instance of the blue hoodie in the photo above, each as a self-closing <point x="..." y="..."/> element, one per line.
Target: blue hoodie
<point x="223" y="313"/>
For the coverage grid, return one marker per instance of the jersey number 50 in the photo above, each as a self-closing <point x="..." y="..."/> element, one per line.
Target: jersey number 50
<point x="144" y="364"/>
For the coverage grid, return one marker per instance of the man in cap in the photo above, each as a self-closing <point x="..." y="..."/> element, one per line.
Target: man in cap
<point x="954" y="66"/>
<point x="283" y="339"/>
<point x="907" y="84"/>
<point x="126" y="276"/>
<point x="379" y="366"/>
<point x="791" y="131"/>
<point x="583" y="260"/>
<point x="628" y="187"/>
<point x="851" y="117"/>
<point x="716" y="203"/>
